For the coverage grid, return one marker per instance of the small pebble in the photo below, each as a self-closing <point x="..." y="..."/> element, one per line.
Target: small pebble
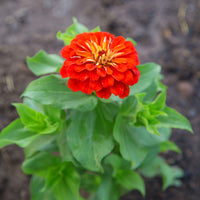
<point x="186" y="89"/>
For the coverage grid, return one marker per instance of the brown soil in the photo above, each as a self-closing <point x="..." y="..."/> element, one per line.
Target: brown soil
<point x="167" y="32"/>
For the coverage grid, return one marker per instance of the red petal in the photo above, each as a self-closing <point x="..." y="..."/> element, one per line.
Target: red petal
<point x="108" y="81"/>
<point x="73" y="84"/>
<point x="108" y="70"/>
<point x="84" y="87"/>
<point x="79" y="68"/>
<point x="117" y="75"/>
<point x="93" y="75"/>
<point x="121" y="67"/>
<point x="101" y="71"/>
<point x="128" y="77"/>
<point x="63" y="72"/>
<point x="96" y="85"/>
<point x="116" y="41"/>
<point x="126" y="92"/>
<point x="65" y="52"/>
<point x="104" y="93"/>
<point x="90" y="67"/>
<point x="117" y="88"/>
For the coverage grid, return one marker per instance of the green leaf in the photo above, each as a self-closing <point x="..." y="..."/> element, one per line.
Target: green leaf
<point x="132" y="40"/>
<point x="170" y="175"/>
<point x="96" y="29"/>
<point x="90" y="182"/>
<point x="116" y="162"/>
<point x="62" y="142"/>
<point x="174" y="120"/>
<point x="70" y="33"/>
<point x="39" y="163"/>
<point x="90" y="138"/>
<point x="129" y="148"/>
<point x="68" y="186"/>
<point x="148" y="73"/>
<point x="131" y="180"/>
<point x="159" y="102"/>
<point x="169" y="146"/>
<point x="37" y="193"/>
<point x="16" y="133"/>
<point x="53" y="90"/>
<point x="43" y="63"/>
<point x="108" y="189"/>
<point x="41" y="143"/>
<point x="35" y="121"/>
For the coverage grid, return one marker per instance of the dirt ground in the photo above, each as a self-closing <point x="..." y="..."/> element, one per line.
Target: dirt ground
<point x="167" y="32"/>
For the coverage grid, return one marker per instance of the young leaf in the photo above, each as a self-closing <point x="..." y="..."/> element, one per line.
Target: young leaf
<point x="159" y="102"/>
<point x="43" y="63"/>
<point x="131" y="180"/>
<point x="129" y="148"/>
<point x="174" y="120"/>
<point x="53" y="90"/>
<point x="15" y="133"/>
<point x="148" y="73"/>
<point x="34" y="120"/>
<point x="75" y="29"/>
<point x="90" y="138"/>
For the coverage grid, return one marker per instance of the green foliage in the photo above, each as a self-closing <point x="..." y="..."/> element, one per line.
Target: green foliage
<point x="52" y="90"/>
<point x="76" y="142"/>
<point x="90" y="138"/>
<point x="43" y="63"/>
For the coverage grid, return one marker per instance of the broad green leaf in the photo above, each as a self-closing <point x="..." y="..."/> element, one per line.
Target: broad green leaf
<point x="45" y="143"/>
<point x="16" y="133"/>
<point x="43" y="63"/>
<point x="71" y="32"/>
<point x="34" y="120"/>
<point x="129" y="148"/>
<point x="132" y="40"/>
<point x="39" y="163"/>
<point x="37" y="193"/>
<point x="174" y="120"/>
<point x="90" y="138"/>
<point x="148" y="73"/>
<point x="169" y="146"/>
<point x="68" y="186"/>
<point x="53" y="90"/>
<point x="108" y="189"/>
<point x="131" y="180"/>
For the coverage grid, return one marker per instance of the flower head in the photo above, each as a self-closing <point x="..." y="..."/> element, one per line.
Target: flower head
<point x="102" y="63"/>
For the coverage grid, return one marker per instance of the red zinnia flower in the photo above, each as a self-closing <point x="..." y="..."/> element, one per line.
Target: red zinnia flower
<point x="102" y="63"/>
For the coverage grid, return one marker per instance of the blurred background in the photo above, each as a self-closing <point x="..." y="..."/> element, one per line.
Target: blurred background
<point x="167" y="32"/>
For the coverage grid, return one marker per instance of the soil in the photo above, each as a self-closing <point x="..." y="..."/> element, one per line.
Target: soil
<point x="167" y="32"/>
